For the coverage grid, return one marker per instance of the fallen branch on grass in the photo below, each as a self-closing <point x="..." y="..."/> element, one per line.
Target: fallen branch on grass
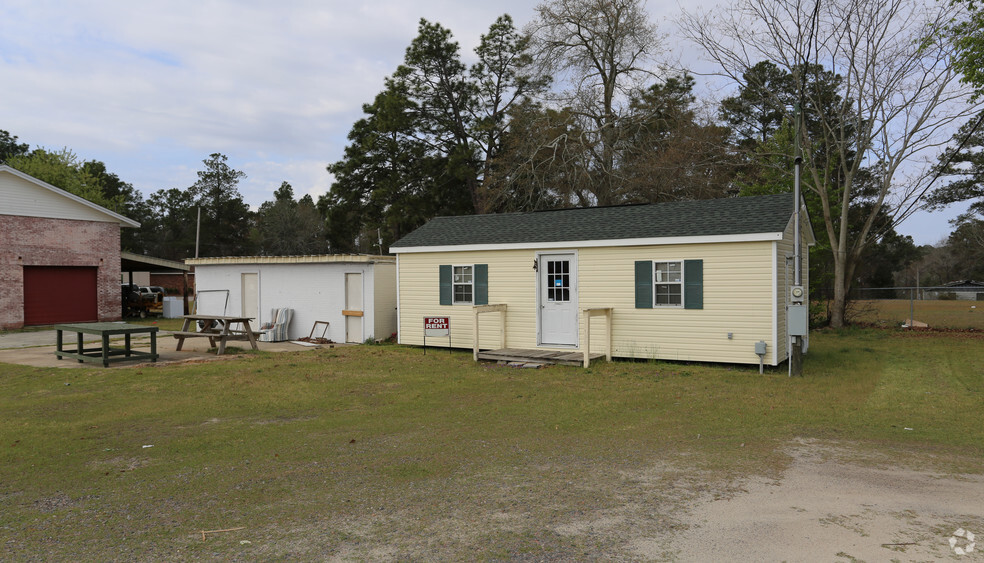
<point x="203" y="532"/>
<point x="892" y="544"/>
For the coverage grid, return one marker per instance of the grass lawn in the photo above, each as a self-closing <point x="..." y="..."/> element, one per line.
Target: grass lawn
<point x="381" y="452"/>
<point x="937" y="314"/>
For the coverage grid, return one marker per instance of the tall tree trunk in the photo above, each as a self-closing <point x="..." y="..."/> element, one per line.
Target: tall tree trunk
<point x="839" y="305"/>
<point x="845" y="264"/>
<point x="478" y="195"/>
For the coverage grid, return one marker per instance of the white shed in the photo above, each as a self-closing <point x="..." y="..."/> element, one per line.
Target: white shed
<point x="355" y="294"/>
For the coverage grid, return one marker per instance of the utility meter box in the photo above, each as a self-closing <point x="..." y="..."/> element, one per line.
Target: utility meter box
<point x="798" y="319"/>
<point x="797" y="294"/>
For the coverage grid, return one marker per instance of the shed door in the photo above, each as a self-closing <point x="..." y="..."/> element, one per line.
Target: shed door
<point x="251" y="297"/>
<point x="60" y="294"/>
<point x="353" y="308"/>
<point x="557" y="282"/>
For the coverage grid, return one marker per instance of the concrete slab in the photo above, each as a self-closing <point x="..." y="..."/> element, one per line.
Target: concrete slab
<point x="38" y="349"/>
<point x="32" y="338"/>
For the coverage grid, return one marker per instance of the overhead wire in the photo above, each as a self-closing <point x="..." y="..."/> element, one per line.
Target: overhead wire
<point x="939" y="171"/>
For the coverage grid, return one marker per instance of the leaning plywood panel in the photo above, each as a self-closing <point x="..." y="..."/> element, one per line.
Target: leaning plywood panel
<point x="384" y="291"/>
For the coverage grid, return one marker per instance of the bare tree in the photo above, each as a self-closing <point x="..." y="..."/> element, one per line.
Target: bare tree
<point x="542" y="164"/>
<point x="602" y="50"/>
<point x="901" y="98"/>
<point x="673" y="148"/>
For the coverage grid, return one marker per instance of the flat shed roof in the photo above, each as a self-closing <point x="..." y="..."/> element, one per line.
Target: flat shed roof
<point x="305" y="259"/>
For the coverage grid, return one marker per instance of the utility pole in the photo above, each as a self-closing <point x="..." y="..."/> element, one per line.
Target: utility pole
<point x="198" y="229"/>
<point x="796" y="341"/>
<point x="796" y="355"/>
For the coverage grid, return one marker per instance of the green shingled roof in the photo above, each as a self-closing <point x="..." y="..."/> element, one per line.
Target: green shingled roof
<point x="726" y="216"/>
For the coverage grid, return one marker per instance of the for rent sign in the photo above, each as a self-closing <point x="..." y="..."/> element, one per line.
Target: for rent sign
<point x="437" y="326"/>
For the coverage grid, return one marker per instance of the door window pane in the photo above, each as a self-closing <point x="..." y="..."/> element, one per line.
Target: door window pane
<point x="558" y="280"/>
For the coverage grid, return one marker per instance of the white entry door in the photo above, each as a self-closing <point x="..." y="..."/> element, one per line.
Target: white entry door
<point x="557" y="287"/>
<point x="251" y="296"/>
<point x="353" y="308"/>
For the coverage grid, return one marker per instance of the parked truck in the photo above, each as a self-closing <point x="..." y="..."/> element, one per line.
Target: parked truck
<point x="140" y="301"/>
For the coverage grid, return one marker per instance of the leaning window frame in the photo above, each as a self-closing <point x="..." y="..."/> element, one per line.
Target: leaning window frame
<point x="681" y="284"/>
<point x="470" y="284"/>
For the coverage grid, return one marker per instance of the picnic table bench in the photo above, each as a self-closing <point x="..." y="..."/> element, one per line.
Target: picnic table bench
<point x="215" y="328"/>
<point x="104" y="353"/>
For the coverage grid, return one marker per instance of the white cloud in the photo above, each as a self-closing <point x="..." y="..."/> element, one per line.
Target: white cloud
<point x="306" y="178"/>
<point x="146" y="86"/>
<point x="153" y="88"/>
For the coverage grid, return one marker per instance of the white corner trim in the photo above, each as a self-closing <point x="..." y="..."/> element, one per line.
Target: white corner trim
<point x="775" y="304"/>
<point x="399" y="329"/>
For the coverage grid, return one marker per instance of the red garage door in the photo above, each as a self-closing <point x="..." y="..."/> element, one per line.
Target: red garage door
<point x="59" y="294"/>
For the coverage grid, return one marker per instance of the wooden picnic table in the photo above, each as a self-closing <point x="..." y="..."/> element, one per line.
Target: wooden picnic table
<point x="216" y="328"/>
<point x="104" y="353"/>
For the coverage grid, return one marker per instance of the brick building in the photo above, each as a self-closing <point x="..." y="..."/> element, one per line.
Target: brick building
<point x="59" y="255"/>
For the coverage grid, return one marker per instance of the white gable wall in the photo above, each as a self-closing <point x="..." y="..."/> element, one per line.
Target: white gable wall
<point x="22" y="197"/>
<point x="316" y="292"/>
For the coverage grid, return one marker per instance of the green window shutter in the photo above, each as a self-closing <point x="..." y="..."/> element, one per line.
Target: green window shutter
<point x="446" y="293"/>
<point x="693" y="281"/>
<point x="644" y="284"/>
<point x="481" y="280"/>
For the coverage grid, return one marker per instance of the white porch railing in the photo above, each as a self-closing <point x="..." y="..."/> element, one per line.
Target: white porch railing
<point x="479" y="309"/>
<point x="589" y="312"/>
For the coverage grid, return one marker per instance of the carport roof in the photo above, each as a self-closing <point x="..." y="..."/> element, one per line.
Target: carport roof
<point x="130" y="262"/>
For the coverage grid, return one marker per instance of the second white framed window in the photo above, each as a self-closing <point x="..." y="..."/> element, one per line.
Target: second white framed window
<point x="463" y="284"/>
<point x="668" y="283"/>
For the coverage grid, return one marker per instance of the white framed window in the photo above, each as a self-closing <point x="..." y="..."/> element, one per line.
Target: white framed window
<point x="463" y="283"/>
<point x="668" y="284"/>
<point x="558" y="280"/>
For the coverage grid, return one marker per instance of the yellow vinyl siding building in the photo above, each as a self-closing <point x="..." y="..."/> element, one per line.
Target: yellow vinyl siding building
<point x="711" y="297"/>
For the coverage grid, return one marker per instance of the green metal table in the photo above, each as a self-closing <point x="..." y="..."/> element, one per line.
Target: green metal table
<point x="104" y="353"/>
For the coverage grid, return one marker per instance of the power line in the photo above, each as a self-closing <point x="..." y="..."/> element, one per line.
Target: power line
<point x="939" y="171"/>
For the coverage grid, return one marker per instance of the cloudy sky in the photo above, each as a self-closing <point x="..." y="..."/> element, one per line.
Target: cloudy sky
<point x="153" y="88"/>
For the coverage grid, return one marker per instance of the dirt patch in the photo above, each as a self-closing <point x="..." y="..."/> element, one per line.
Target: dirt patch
<point x="826" y="508"/>
<point x="119" y="464"/>
<point x="831" y="503"/>
<point x="50" y="504"/>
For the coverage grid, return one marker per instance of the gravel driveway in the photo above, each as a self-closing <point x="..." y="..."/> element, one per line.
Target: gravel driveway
<point x="828" y="507"/>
